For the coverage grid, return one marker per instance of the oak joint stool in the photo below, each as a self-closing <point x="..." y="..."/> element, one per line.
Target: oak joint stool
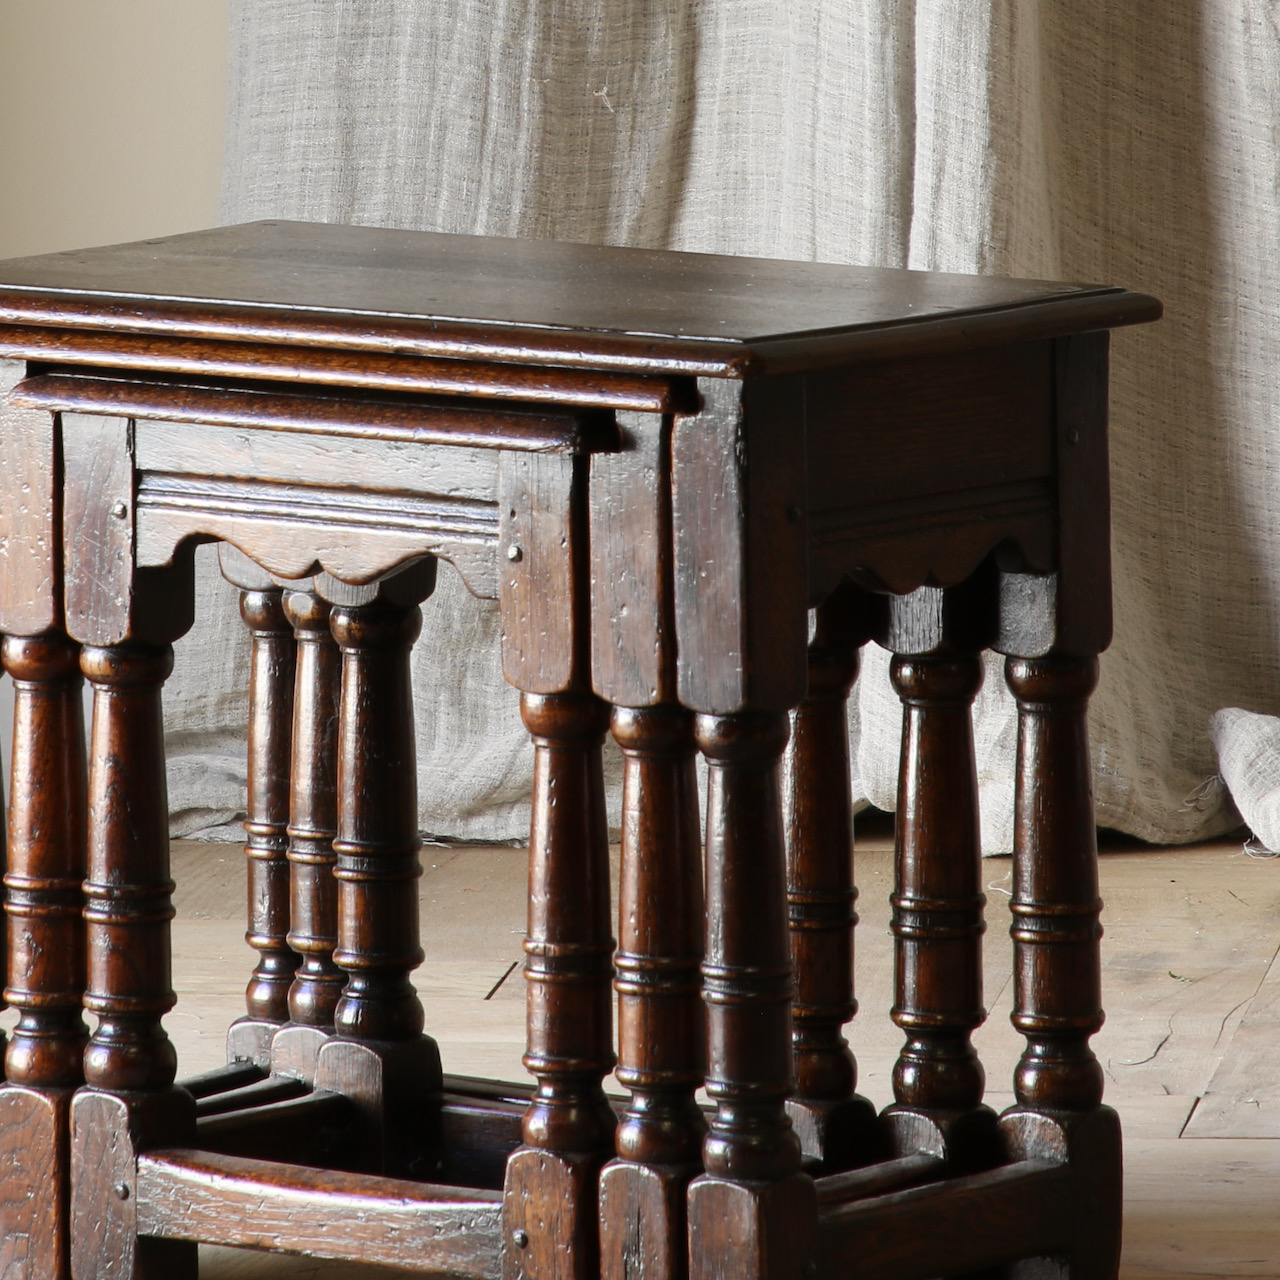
<point x="661" y="466"/>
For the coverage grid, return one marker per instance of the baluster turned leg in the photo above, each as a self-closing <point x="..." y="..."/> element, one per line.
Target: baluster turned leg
<point x="834" y="1124"/>
<point x="550" y="1215"/>
<point x="1057" y="960"/>
<point x="752" y="1215"/>
<point x="270" y="729"/>
<point x="46" y="971"/>
<point x="127" y="913"/>
<point x="938" y="914"/>
<point x="379" y="1057"/>
<point x="313" y="823"/>
<point x="660" y="1021"/>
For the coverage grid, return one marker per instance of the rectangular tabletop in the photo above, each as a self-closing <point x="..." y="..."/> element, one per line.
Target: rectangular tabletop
<point x="534" y="301"/>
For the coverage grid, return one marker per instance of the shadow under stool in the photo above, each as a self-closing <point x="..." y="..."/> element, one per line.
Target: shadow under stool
<point x="659" y="464"/>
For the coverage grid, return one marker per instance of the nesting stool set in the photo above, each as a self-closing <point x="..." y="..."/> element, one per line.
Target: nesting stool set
<point x="662" y="466"/>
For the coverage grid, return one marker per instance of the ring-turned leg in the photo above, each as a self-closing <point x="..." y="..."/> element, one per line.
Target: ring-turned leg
<point x="643" y="1234"/>
<point x="752" y="1215"/>
<point x="1057" y="959"/>
<point x="271" y="679"/>
<point x="938" y="903"/>
<point x="379" y="1057"/>
<point x="129" y="1064"/>
<point x="46" y="964"/>
<point x="1052" y="627"/>
<point x="550" y="1214"/>
<point x="834" y="1124"/>
<point x="313" y="823"/>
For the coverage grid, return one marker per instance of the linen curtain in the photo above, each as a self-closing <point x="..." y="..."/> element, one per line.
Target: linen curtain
<point x="1110" y="141"/>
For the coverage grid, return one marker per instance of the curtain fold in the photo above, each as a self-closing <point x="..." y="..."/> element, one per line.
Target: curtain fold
<point x="1105" y="140"/>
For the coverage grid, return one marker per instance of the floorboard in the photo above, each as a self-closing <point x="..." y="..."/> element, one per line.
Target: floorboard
<point x="1191" y="985"/>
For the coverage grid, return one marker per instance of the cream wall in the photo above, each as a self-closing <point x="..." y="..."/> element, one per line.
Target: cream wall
<point x="112" y="117"/>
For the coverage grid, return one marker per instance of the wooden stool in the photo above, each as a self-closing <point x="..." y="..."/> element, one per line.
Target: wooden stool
<point x="691" y="452"/>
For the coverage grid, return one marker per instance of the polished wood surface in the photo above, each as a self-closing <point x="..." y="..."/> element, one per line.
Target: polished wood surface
<point x="549" y="1216"/>
<point x="45" y="978"/>
<point x="313" y="815"/>
<point x="271" y="680"/>
<point x="938" y="920"/>
<point x="691" y="452"/>
<point x="127" y="892"/>
<point x="525" y="301"/>
<point x="661" y="1041"/>
<point x="834" y="1123"/>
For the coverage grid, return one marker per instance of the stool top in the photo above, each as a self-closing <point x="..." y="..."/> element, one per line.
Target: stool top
<point x="537" y="301"/>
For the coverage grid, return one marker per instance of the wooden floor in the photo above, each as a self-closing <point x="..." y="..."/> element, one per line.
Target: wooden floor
<point x="1192" y="988"/>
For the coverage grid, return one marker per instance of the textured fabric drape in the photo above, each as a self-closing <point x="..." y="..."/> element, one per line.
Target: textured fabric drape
<point x="1098" y="140"/>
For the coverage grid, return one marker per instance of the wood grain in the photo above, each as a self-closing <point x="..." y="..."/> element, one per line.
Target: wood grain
<point x="107" y="1135"/>
<point x="911" y="428"/>
<point x="975" y="1221"/>
<point x="271" y="682"/>
<point x="195" y="1195"/>
<point x="371" y="417"/>
<point x="542" y="567"/>
<point x="1242" y="1099"/>
<point x="98" y="526"/>
<point x="738" y="507"/>
<point x="107" y="600"/>
<point x="30" y="516"/>
<point x="834" y="1124"/>
<point x="377" y="842"/>
<point x="746" y="975"/>
<point x="44" y="898"/>
<point x="632" y="574"/>
<point x="551" y="1182"/>
<point x="938" y="905"/>
<point x="153" y="354"/>
<point x="313" y="815"/>
<point x="661" y="1036"/>
<point x="521" y="301"/>
<point x="35" y="1210"/>
<point x="385" y="466"/>
<point x="1055" y="903"/>
<point x="127" y="890"/>
<point x="298" y="530"/>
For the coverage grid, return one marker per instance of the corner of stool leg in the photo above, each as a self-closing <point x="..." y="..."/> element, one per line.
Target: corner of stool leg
<point x="108" y="1132"/>
<point x="549" y="1216"/>
<point x="295" y="1051"/>
<point x="1090" y="1143"/>
<point x="843" y="1134"/>
<point x="249" y="1040"/>
<point x="34" y="1190"/>
<point x="753" y="1230"/>
<point x="391" y="1084"/>
<point x="969" y="1140"/>
<point x="644" y="1221"/>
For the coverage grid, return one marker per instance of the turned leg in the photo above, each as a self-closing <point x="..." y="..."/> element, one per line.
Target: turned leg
<point x="752" y="1214"/>
<point x="379" y="1057"/>
<point x="377" y="841"/>
<point x="313" y="822"/>
<point x="549" y="1213"/>
<point x="660" y="1021"/>
<point x="1057" y="960"/>
<point x="46" y="969"/>
<point x="129" y="1063"/>
<point x="271" y="679"/>
<point x="834" y="1124"/>
<point x="938" y="914"/>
